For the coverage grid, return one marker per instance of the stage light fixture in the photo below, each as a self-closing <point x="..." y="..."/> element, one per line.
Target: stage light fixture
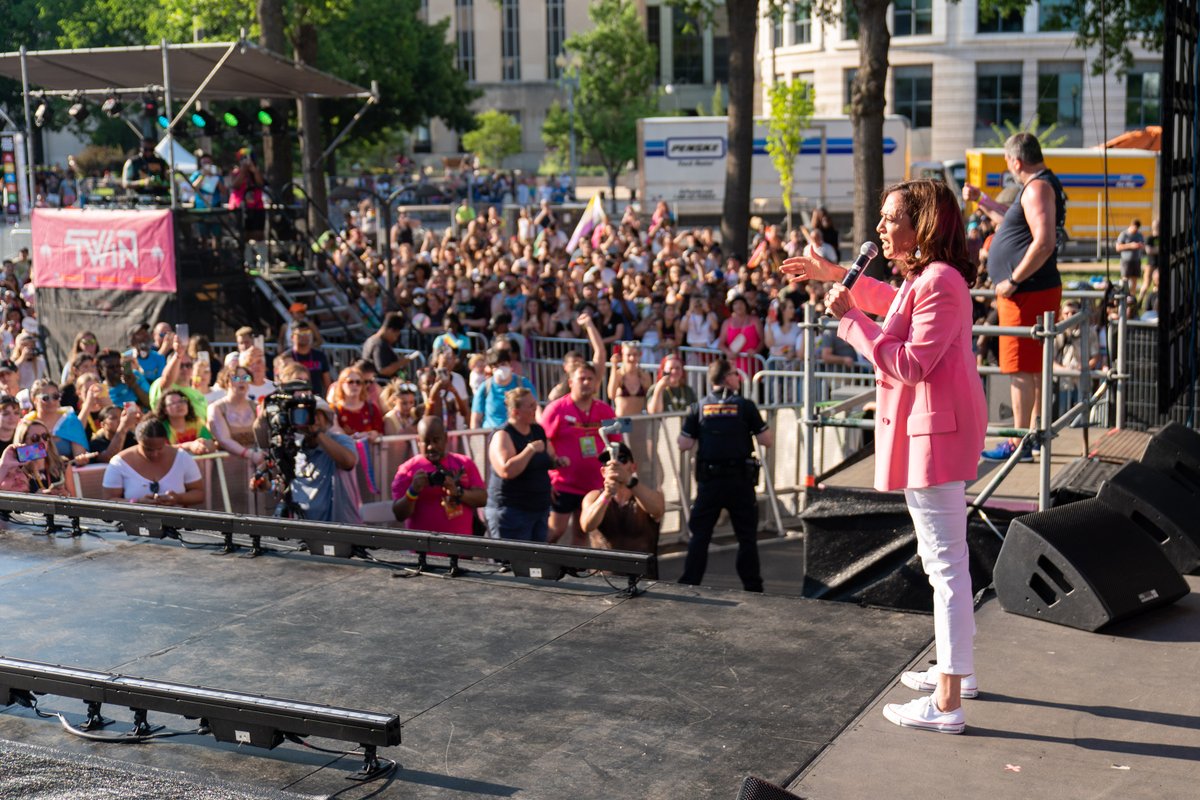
<point x="231" y="118"/>
<point x="235" y="717"/>
<point x="78" y="110"/>
<point x="44" y="115"/>
<point x="203" y="121"/>
<point x="266" y="115"/>
<point x="112" y="106"/>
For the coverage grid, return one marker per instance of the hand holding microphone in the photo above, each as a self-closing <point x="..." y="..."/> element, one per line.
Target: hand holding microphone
<point x="839" y="301"/>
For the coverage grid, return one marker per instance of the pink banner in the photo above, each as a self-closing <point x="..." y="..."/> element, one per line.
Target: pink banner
<point x="85" y="249"/>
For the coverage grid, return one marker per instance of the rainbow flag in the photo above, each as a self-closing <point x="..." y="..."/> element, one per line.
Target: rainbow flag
<point x="592" y="216"/>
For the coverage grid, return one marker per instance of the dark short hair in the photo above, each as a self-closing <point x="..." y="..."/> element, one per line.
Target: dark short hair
<point x="393" y="321"/>
<point x="718" y="371"/>
<point x="150" y="428"/>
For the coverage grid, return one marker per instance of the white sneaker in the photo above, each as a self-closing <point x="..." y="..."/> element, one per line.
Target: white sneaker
<point x="922" y="713"/>
<point x="927" y="682"/>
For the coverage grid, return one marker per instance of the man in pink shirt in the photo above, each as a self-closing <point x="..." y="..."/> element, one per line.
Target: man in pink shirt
<point x="572" y="424"/>
<point x="437" y="491"/>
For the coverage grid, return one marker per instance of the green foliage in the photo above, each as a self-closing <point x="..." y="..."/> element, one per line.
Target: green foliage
<point x="718" y="107"/>
<point x="496" y="137"/>
<point x="792" y="106"/>
<point x="556" y="135"/>
<point x="1046" y="138"/>
<point x="614" y="64"/>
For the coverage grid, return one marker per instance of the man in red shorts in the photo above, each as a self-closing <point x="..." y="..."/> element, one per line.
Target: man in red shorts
<point x="1023" y="265"/>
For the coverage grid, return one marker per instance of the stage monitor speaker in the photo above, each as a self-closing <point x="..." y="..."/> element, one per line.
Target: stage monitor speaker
<point x="1083" y="565"/>
<point x="1080" y="480"/>
<point x="1161" y="505"/>
<point x="1176" y="450"/>
<point x="757" y="789"/>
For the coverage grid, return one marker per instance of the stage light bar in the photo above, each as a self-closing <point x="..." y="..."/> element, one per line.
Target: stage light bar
<point x="329" y="539"/>
<point x="234" y="717"/>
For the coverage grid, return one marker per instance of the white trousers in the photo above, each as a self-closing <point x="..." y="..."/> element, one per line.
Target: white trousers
<point x="939" y="514"/>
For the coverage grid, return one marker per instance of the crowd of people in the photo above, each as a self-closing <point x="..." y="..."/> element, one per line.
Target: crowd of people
<point x="636" y="296"/>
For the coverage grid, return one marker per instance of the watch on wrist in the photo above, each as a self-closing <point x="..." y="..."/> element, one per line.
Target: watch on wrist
<point x="632" y="482"/>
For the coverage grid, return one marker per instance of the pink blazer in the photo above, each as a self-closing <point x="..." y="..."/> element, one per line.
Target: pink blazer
<point x="931" y="413"/>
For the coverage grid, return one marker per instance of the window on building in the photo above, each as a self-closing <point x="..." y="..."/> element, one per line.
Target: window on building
<point x="422" y="139"/>
<point x="1058" y="15"/>
<point x="423" y="11"/>
<point x="995" y="22"/>
<point x="720" y="52"/>
<point x="1143" y="96"/>
<point x="848" y="77"/>
<point x="464" y="26"/>
<point x="556" y="34"/>
<point x="776" y="27"/>
<point x="510" y="40"/>
<point x="807" y="76"/>
<point x="912" y="17"/>
<point x="1060" y="95"/>
<point x="849" y="20"/>
<point x="687" y="44"/>
<point x="997" y="95"/>
<point x="912" y="94"/>
<point x="802" y="22"/>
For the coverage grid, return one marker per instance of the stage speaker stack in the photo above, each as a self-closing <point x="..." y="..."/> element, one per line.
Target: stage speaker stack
<point x="1080" y="480"/>
<point x="757" y="789"/>
<point x="1083" y="565"/>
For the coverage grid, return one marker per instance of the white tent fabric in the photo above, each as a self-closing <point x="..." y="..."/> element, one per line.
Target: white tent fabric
<point x="250" y="72"/>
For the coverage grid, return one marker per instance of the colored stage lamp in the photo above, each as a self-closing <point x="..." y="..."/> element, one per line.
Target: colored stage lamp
<point x="266" y="116"/>
<point x="112" y="106"/>
<point x="231" y="118"/>
<point x="203" y="121"/>
<point x="44" y="114"/>
<point x="164" y="121"/>
<point x="78" y="110"/>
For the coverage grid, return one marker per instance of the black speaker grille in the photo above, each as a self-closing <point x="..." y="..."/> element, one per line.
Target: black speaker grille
<point x="757" y="789"/>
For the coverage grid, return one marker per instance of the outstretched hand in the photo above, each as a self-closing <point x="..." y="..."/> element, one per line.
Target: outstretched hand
<point x="815" y="268"/>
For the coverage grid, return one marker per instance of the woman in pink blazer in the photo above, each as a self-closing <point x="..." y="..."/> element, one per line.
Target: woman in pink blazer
<point x="930" y="415"/>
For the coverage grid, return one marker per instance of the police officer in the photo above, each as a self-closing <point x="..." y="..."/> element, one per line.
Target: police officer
<point x="720" y="427"/>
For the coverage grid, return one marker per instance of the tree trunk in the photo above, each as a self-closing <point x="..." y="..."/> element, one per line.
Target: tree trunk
<point x="311" y="138"/>
<point x="277" y="149"/>
<point x="866" y="118"/>
<point x="735" y="214"/>
<point x="612" y="192"/>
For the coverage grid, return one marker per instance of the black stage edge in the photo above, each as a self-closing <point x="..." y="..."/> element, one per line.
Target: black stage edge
<point x="506" y="687"/>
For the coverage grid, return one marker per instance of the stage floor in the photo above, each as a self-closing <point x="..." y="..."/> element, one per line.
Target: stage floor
<point x="506" y="687"/>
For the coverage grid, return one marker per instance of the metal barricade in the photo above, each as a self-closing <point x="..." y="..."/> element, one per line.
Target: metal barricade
<point x="87" y="481"/>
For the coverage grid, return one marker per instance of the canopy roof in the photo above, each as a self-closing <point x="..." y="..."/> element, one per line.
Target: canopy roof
<point x="250" y="71"/>
<point x="1150" y="138"/>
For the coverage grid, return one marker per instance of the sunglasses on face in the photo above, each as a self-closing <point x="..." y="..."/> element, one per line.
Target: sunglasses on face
<point x="87" y="341"/>
<point x="37" y="438"/>
<point x="187" y="365"/>
<point x="354" y="382"/>
<point x="50" y="397"/>
<point x="606" y="456"/>
<point x="241" y="379"/>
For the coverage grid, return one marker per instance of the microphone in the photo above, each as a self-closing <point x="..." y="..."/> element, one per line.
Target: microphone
<point x="865" y="254"/>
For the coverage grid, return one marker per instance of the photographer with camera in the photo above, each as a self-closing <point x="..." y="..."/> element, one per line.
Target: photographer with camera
<point x="626" y="514"/>
<point x="722" y="428"/>
<point x="437" y="491"/>
<point x="308" y="464"/>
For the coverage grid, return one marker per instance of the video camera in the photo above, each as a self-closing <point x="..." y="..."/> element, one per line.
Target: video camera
<point x="289" y="411"/>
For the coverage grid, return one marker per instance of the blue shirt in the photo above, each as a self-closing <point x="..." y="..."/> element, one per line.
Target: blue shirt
<point x="152" y="365"/>
<point x="489" y="400"/>
<point x="122" y="394"/>
<point x="318" y="487"/>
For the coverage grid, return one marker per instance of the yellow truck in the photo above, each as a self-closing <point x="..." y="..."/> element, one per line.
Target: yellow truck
<point x="1132" y="179"/>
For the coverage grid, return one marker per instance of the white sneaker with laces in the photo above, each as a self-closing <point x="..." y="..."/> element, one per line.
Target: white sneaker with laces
<point x="923" y="713"/>
<point x="927" y="682"/>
